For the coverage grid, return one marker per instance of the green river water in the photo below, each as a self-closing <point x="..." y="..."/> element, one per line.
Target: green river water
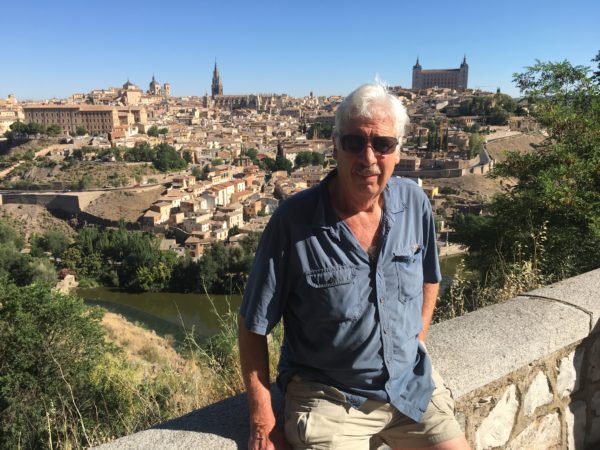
<point x="167" y="313"/>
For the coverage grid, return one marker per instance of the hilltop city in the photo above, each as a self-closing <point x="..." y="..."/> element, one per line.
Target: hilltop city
<point x="130" y="218"/>
<point x="228" y="160"/>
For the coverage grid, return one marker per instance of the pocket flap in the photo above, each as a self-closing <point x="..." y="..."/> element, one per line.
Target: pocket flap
<point x="407" y="253"/>
<point x="331" y="276"/>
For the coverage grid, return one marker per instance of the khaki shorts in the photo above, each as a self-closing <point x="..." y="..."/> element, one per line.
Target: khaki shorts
<point x="317" y="416"/>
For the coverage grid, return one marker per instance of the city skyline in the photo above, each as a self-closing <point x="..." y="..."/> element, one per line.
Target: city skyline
<point x="328" y="48"/>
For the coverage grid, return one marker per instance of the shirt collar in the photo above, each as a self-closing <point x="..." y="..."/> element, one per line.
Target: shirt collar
<point x="325" y="217"/>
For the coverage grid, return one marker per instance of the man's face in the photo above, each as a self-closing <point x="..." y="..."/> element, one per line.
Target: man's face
<point x="363" y="175"/>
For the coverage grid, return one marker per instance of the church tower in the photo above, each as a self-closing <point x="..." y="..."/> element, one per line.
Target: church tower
<point x="217" y="87"/>
<point x="416" y="75"/>
<point x="154" y="88"/>
<point x="463" y="74"/>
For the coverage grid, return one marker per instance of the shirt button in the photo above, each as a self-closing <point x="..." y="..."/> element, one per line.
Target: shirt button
<point x="384" y="331"/>
<point x="381" y="300"/>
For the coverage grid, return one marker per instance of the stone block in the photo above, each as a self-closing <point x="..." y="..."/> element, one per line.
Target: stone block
<point x="538" y="394"/>
<point x="536" y="328"/>
<point x="580" y="291"/>
<point x="541" y="434"/>
<point x="495" y="429"/>
<point x="569" y="375"/>
<point x="575" y="415"/>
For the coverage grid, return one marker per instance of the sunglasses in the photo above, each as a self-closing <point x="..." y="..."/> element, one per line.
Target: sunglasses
<point x="356" y="143"/>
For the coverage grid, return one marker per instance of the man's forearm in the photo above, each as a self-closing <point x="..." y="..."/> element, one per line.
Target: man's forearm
<point x="254" y="359"/>
<point x="430" y="292"/>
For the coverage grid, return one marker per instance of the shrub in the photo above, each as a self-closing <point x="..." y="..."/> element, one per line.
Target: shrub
<point x="50" y="345"/>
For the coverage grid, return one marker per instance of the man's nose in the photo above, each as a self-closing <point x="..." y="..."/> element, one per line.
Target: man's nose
<point x="368" y="154"/>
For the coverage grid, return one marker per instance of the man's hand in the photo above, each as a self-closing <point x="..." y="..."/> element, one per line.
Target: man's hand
<point x="267" y="438"/>
<point x="254" y="358"/>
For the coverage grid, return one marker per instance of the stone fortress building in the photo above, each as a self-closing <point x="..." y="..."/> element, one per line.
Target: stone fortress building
<point x="441" y="78"/>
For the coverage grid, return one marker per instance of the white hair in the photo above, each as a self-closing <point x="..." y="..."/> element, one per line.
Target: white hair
<point x="365" y="101"/>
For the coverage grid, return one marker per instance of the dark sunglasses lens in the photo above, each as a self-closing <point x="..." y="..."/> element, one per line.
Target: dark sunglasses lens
<point x="384" y="144"/>
<point x="353" y="143"/>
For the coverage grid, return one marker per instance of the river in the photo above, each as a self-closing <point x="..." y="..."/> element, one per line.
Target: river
<point x="166" y="312"/>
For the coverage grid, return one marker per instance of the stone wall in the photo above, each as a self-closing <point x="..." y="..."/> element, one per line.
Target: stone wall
<point x="525" y="375"/>
<point x="64" y="202"/>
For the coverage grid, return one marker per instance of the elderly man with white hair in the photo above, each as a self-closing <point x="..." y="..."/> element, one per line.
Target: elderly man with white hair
<point x="351" y="267"/>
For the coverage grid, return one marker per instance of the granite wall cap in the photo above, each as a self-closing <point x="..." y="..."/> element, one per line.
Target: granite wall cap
<point x="582" y="291"/>
<point x="222" y="425"/>
<point x="480" y="347"/>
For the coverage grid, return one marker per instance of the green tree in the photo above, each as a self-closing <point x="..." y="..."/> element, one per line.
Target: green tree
<point x="476" y="142"/>
<point x="140" y="152"/>
<point x="320" y="130"/>
<point x="53" y="130"/>
<point x="497" y="116"/>
<point x="506" y="102"/>
<point x="77" y="154"/>
<point x="279" y="163"/>
<point x="252" y="154"/>
<point x="550" y="217"/>
<point x="52" y="241"/>
<point x="85" y="182"/>
<point x="197" y="172"/>
<point x="51" y="347"/>
<point x="8" y="235"/>
<point x="168" y="159"/>
<point x="153" y="131"/>
<point x="302" y="159"/>
<point x="495" y="109"/>
<point x="80" y="131"/>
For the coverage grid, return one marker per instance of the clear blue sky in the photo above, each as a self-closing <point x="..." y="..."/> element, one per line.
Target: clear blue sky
<point x="56" y="48"/>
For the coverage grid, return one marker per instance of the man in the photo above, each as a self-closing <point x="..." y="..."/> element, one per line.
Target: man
<point x="351" y="266"/>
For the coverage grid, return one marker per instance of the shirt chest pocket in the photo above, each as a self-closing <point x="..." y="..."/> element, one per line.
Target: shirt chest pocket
<point x="329" y="294"/>
<point x="408" y="262"/>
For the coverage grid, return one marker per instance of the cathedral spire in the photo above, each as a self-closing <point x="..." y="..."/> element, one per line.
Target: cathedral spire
<point x="217" y="86"/>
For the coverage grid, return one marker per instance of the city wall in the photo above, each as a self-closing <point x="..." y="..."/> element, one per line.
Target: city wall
<point x="71" y="203"/>
<point x="524" y="373"/>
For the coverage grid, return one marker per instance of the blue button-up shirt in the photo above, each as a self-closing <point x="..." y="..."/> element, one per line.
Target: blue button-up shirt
<point x="349" y="322"/>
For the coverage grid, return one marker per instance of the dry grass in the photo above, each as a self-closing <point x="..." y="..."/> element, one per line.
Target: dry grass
<point x="521" y="143"/>
<point x="127" y="205"/>
<point x="187" y="384"/>
<point x="138" y="343"/>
